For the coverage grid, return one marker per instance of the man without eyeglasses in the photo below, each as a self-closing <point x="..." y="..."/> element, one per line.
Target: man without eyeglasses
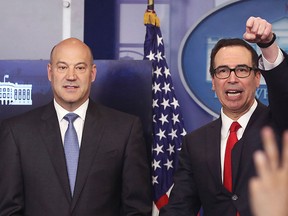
<point x="73" y="157"/>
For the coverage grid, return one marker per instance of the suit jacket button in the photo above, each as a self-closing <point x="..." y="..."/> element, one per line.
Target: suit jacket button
<point x="234" y="197"/>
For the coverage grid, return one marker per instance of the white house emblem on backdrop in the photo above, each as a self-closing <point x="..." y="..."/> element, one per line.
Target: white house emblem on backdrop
<point x="14" y="93"/>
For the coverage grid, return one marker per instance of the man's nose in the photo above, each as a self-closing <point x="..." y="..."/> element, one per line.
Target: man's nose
<point x="232" y="77"/>
<point x="71" y="73"/>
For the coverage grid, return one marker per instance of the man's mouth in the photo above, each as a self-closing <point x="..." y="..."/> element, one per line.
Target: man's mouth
<point x="233" y="92"/>
<point x="70" y="86"/>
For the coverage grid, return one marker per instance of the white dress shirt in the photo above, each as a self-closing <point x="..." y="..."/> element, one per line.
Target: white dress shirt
<point x="265" y="65"/>
<point x="78" y="123"/>
<point x="226" y="123"/>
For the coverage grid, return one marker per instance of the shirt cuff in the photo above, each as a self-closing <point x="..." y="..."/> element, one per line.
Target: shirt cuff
<point x="266" y="65"/>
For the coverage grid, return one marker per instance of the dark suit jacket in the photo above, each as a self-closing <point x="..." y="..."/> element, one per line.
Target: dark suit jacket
<point x="198" y="179"/>
<point x="113" y="176"/>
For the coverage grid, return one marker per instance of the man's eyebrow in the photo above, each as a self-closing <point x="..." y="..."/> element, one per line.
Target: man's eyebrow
<point x="61" y="62"/>
<point x="81" y="63"/>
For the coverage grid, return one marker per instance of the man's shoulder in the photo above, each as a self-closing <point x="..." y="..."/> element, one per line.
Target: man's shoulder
<point x="109" y="112"/>
<point x="206" y="129"/>
<point x="27" y="117"/>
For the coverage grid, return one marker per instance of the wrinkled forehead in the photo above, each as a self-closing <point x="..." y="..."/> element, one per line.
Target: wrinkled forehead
<point x="233" y="55"/>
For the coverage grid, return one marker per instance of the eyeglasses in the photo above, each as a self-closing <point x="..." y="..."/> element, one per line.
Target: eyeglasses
<point x="241" y="71"/>
<point x="78" y="68"/>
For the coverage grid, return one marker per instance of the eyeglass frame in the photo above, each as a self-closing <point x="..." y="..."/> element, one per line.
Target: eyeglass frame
<point x="234" y="70"/>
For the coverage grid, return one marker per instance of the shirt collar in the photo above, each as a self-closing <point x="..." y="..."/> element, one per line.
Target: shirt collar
<point x="80" y="111"/>
<point x="243" y="120"/>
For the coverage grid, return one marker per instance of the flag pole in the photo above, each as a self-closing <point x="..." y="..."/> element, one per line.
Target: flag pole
<point x="150" y="6"/>
<point x="150" y="16"/>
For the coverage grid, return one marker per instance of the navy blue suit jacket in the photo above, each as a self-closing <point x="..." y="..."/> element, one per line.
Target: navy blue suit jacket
<point x="113" y="175"/>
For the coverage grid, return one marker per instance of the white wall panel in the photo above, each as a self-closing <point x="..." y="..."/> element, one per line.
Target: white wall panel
<point x="29" y="28"/>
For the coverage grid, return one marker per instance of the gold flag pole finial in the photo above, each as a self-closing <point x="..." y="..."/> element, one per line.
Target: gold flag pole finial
<point x="150" y="5"/>
<point x="150" y="16"/>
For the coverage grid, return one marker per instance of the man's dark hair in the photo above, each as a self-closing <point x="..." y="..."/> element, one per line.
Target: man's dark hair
<point x="227" y="42"/>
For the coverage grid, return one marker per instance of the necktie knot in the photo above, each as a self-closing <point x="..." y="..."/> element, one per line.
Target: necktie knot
<point x="234" y="126"/>
<point x="71" y="117"/>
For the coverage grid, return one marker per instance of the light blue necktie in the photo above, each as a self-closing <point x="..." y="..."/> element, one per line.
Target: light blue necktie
<point x="71" y="148"/>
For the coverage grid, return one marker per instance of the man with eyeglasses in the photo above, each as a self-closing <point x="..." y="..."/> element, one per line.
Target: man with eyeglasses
<point x="215" y="163"/>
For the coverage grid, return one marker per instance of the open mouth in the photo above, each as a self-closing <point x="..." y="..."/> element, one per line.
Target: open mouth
<point x="233" y="93"/>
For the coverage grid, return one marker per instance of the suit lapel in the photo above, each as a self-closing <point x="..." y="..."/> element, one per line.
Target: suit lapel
<point x="50" y="132"/>
<point x="91" y="138"/>
<point x="236" y="160"/>
<point x="246" y="146"/>
<point x="213" y="149"/>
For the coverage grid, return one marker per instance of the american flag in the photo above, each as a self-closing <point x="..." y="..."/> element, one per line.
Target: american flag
<point x="168" y="126"/>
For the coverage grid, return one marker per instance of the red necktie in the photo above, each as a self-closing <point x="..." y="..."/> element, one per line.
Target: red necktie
<point x="232" y="139"/>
